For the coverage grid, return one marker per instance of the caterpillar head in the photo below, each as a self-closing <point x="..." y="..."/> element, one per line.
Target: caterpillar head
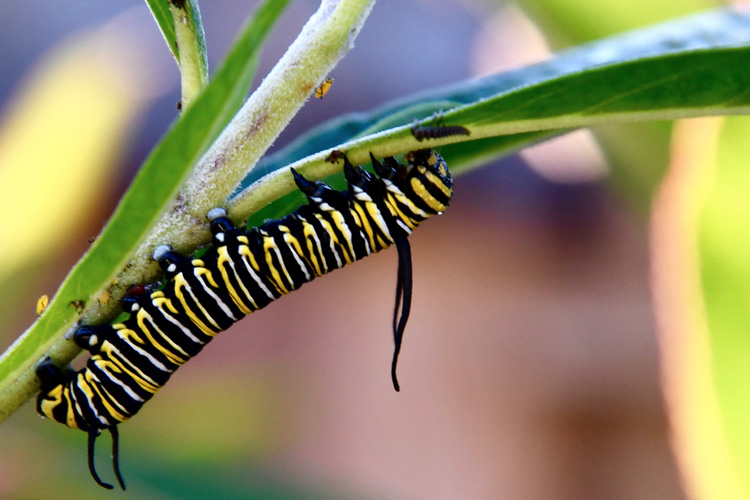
<point x="423" y="175"/>
<point x="429" y="162"/>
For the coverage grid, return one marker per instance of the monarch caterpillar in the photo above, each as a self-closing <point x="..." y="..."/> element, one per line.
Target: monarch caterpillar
<point x="323" y="88"/>
<point x="437" y="129"/>
<point x="241" y="272"/>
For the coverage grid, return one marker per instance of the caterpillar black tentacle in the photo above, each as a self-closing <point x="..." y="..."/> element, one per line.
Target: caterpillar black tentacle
<point x="239" y="273"/>
<point x="93" y="434"/>
<point x="403" y="302"/>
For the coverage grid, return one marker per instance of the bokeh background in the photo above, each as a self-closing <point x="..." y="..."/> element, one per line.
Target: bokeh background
<point x="530" y="363"/>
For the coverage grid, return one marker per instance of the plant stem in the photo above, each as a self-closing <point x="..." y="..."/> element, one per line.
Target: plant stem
<point x="191" y="42"/>
<point x="324" y="40"/>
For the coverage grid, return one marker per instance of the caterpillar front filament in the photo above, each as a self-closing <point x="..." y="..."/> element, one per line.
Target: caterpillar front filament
<point x="240" y="273"/>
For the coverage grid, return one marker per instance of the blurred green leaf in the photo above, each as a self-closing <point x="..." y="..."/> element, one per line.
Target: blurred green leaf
<point x="208" y="481"/>
<point x="152" y="190"/>
<point x="579" y="21"/>
<point x="636" y="171"/>
<point x="700" y="274"/>
<point x="724" y="245"/>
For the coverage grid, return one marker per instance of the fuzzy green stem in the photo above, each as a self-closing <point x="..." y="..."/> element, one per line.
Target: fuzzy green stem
<point x="322" y="43"/>
<point x="324" y="40"/>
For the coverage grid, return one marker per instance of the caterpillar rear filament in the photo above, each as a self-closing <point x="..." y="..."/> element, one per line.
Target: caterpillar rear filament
<point x="240" y="273"/>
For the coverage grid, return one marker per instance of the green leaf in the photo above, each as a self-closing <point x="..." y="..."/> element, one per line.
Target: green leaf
<point x="151" y="193"/>
<point x="163" y="17"/>
<point x="714" y="29"/>
<point x="691" y="67"/>
<point x="712" y="81"/>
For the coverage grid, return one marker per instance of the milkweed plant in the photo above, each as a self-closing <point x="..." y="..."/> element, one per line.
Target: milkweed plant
<point x="685" y="68"/>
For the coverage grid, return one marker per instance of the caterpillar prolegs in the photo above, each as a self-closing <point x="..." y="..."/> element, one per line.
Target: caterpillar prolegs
<point x="240" y="273"/>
